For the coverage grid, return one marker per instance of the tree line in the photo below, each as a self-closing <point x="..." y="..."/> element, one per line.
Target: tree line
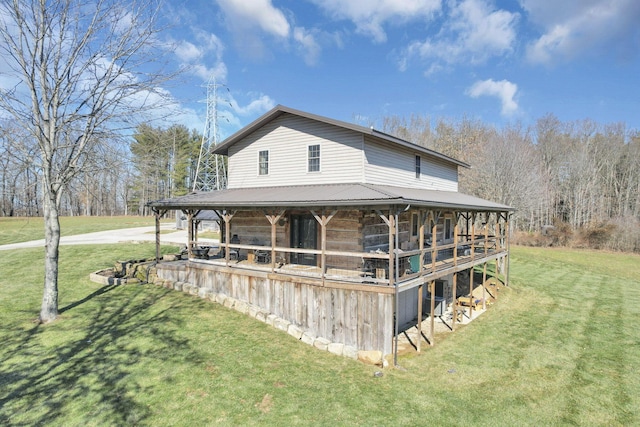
<point x="581" y="177"/>
<point x="122" y="176"/>
<point x="578" y="182"/>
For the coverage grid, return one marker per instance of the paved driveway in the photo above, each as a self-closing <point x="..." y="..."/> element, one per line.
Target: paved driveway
<point x="126" y="235"/>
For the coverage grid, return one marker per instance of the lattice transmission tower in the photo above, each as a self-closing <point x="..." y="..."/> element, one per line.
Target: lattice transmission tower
<point x="211" y="172"/>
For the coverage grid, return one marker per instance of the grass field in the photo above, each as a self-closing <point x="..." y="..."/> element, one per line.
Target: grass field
<point x="561" y="347"/>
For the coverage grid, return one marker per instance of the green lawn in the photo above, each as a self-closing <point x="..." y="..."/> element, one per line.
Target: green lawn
<point x="17" y="229"/>
<point x="561" y="347"/>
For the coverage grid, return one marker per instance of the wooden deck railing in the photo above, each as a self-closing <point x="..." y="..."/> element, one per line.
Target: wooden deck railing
<point x="373" y="267"/>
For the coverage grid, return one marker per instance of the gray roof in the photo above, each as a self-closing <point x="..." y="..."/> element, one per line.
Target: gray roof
<point x="223" y="148"/>
<point x="328" y="195"/>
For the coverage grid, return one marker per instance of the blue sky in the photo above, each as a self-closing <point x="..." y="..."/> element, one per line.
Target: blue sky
<point x="499" y="62"/>
<point x="361" y="60"/>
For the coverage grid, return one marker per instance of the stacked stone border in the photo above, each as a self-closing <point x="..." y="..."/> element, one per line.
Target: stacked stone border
<point x="372" y="357"/>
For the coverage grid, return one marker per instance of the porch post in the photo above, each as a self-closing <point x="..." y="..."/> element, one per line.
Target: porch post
<point x="432" y="291"/>
<point x="226" y="216"/>
<point x="484" y="289"/>
<point x="422" y="216"/>
<point x="434" y="235"/>
<point x="471" y="292"/>
<point x="323" y="220"/>
<point x="456" y="232"/>
<point x="455" y="274"/>
<point x="392" y="233"/>
<point x="189" y="213"/>
<point x="473" y="234"/>
<point x="487" y="216"/>
<point x="158" y="213"/>
<point x="455" y="300"/>
<point x="273" y="220"/>
<point x="508" y="256"/>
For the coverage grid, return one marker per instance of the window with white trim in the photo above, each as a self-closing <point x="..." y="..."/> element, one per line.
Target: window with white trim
<point x="418" y="167"/>
<point x="313" y="158"/>
<point x="263" y="162"/>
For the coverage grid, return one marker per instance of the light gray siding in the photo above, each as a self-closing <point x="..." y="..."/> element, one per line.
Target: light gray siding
<point x="396" y="166"/>
<point x="287" y="138"/>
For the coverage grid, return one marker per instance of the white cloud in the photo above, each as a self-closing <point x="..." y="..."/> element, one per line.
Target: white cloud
<point x="187" y="51"/>
<point x="202" y="56"/>
<point x="259" y="105"/>
<point x="244" y="14"/>
<point x="504" y="90"/>
<point x="577" y="27"/>
<point x="474" y="31"/>
<point x="369" y="16"/>
<point x="249" y="21"/>
<point x="308" y="45"/>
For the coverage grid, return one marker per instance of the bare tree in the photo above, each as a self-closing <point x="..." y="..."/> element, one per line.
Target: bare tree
<point x="80" y="72"/>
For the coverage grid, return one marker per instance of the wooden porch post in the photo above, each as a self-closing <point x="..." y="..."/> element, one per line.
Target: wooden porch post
<point x="473" y="216"/>
<point x="455" y="300"/>
<point x="487" y="215"/>
<point x="226" y="216"/>
<point x="456" y="229"/>
<point x="432" y="326"/>
<point x="473" y="234"/>
<point x="434" y="234"/>
<point x="422" y="217"/>
<point x="508" y="256"/>
<point x="323" y="220"/>
<point x="273" y="220"/>
<point x="456" y="236"/>
<point x="158" y="213"/>
<point x="190" y="243"/>
<point x="471" y="292"/>
<point x="390" y="221"/>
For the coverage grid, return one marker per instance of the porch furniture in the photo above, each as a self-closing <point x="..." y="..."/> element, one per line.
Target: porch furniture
<point x="201" y="253"/>
<point x="262" y="256"/>
<point x="476" y="298"/>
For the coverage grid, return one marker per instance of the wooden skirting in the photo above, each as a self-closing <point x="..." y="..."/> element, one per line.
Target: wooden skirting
<point x="358" y="315"/>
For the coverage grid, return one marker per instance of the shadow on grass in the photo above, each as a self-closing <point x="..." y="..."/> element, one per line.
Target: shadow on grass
<point x="89" y="297"/>
<point x="78" y="370"/>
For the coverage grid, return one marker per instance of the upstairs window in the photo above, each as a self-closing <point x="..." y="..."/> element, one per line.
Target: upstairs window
<point x="313" y="156"/>
<point x="418" y="167"/>
<point x="263" y="162"/>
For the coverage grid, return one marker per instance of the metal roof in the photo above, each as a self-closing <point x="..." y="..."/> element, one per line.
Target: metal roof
<point x="223" y="147"/>
<point x="328" y="195"/>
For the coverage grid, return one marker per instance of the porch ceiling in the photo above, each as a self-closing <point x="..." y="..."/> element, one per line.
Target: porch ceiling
<point x="335" y="195"/>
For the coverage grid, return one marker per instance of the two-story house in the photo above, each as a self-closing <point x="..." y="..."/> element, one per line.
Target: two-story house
<point x="348" y="233"/>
